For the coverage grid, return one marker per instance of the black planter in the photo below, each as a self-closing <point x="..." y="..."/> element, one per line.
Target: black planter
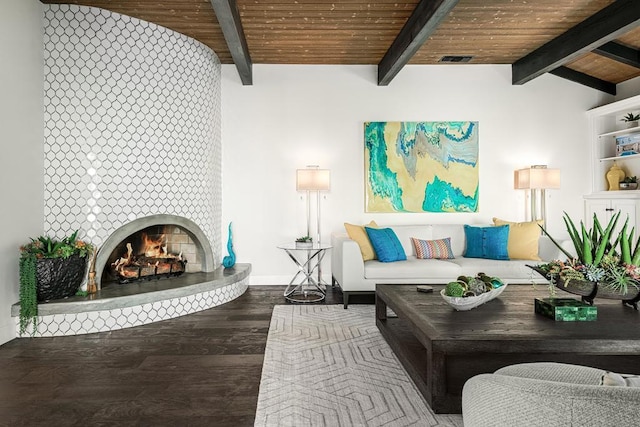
<point x="59" y="277"/>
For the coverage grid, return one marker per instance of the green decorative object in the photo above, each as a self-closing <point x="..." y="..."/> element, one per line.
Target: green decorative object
<point x="454" y="289"/>
<point x="28" y="298"/>
<point x="566" y="310"/>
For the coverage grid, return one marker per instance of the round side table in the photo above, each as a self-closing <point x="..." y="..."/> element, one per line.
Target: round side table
<point x="308" y="288"/>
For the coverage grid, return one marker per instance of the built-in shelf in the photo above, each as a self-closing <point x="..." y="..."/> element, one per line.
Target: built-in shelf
<point x="621" y="132"/>
<point x="630" y="156"/>
<point x="601" y="203"/>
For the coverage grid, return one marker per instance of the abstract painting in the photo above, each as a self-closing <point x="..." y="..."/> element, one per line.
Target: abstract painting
<point x="421" y="166"/>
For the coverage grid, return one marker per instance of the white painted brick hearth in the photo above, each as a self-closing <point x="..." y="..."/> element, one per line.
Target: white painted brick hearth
<point x="132" y="125"/>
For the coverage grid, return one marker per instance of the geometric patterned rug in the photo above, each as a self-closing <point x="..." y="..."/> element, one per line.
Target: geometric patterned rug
<point x="327" y="366"/>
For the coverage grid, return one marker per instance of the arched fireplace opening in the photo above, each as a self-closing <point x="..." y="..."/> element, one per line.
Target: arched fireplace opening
<point x="151" y="248"/>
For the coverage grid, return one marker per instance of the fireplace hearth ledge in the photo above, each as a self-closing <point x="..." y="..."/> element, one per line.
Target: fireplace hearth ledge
<point x="123" y="306"/>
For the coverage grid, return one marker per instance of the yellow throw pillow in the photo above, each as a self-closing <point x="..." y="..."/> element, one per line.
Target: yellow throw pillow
<point x="359" y="235"/>
<point x="523" y="238"/>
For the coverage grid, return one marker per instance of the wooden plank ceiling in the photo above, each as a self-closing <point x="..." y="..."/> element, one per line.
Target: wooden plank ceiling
<point x="361" y="31"/>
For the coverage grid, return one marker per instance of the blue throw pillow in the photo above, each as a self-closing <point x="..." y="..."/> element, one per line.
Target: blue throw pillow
<point x="487" y="242"/>
<point x="386" y="244"/>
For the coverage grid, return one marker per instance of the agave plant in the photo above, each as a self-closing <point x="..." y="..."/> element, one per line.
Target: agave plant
<point x="590" y="245"/>
<point x="600" y="258"/>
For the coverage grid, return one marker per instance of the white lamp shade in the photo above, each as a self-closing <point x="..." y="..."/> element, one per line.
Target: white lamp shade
<point x="313" y="179"/>
<point x="536" y="178"/>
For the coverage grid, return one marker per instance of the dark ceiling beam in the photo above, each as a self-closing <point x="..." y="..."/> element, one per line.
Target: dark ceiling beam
<point x="585" y="79"/>
<point x="421" y="24"/>
<point x="614" y="20"/>
<point x="229" y="19"/>
<point x="620" y="53"/>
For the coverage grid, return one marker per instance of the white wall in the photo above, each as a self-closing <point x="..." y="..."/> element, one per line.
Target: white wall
<point x="628" y="89"/>
<point x="21" y="136"/>
<point x="298" y="115"/>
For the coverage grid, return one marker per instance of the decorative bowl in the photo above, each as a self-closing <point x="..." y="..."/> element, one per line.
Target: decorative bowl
<point x="467" y="303"/>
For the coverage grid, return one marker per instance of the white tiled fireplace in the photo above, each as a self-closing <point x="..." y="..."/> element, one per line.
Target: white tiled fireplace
<point x="132" y="125"/>
<point x="132" y="139"/>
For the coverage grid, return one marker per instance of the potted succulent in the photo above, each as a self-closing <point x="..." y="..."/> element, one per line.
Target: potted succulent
<point x="631" y="120"/>
<point x="49" y="269"/>
<point x="629" y="183"/>
<point x="606" y="266"/>
<point x="304" y="242"/>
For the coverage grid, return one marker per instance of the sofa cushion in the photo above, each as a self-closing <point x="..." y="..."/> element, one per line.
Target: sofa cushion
<point x="411" y="268"/>
<point x="386" y="244"/>
<point x="523" y="238"/>
<point x="433" y="249"/>
<point x="513" y="269"/>
<point x="359" y="235"/>
<point x="487" y="242"/>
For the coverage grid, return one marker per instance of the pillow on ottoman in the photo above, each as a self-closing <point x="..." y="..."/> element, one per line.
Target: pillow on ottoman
<point x="613" y="379"/>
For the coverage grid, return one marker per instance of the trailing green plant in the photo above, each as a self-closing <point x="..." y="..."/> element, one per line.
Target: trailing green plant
<point x="40" y="248"/>
<point x="304" y="239"/>
<point x="600" y="257"/>
<point x="630" y="117"/>
<point x="28" y="297"/>
<point x="630" y="179"/>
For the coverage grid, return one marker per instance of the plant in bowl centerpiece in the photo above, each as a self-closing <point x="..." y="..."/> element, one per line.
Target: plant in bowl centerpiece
<point x="631" y="119"/>
<point x="629" y="183"/>
<point x="49" y="269"/>
<point x="605" y="266"/>
<point x="469" y="292"/>
<point x="304" y="242"/>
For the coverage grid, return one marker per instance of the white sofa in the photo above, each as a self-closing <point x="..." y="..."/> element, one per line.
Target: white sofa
<point x="354" y="275"/>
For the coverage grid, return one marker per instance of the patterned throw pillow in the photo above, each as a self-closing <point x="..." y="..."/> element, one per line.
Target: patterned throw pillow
<point x="433" y="249"/>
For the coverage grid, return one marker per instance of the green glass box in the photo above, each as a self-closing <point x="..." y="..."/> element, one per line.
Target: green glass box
<point x="566" y="309"/>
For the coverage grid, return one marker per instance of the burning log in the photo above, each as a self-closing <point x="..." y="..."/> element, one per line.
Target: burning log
<point x="156" y="262"/>
<point x="124" y="261"/>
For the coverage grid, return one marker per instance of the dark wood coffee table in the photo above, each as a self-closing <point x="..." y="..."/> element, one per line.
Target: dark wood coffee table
<point x="441" y="348"/>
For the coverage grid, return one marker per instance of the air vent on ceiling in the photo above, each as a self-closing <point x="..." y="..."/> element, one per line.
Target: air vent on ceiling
<point x="455" y="58"/>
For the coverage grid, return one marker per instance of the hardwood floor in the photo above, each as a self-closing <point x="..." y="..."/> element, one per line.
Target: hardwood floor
<point x="201" y="369"/>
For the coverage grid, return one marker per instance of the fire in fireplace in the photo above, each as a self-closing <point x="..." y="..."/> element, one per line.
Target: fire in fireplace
<point x="152" y="253"/>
